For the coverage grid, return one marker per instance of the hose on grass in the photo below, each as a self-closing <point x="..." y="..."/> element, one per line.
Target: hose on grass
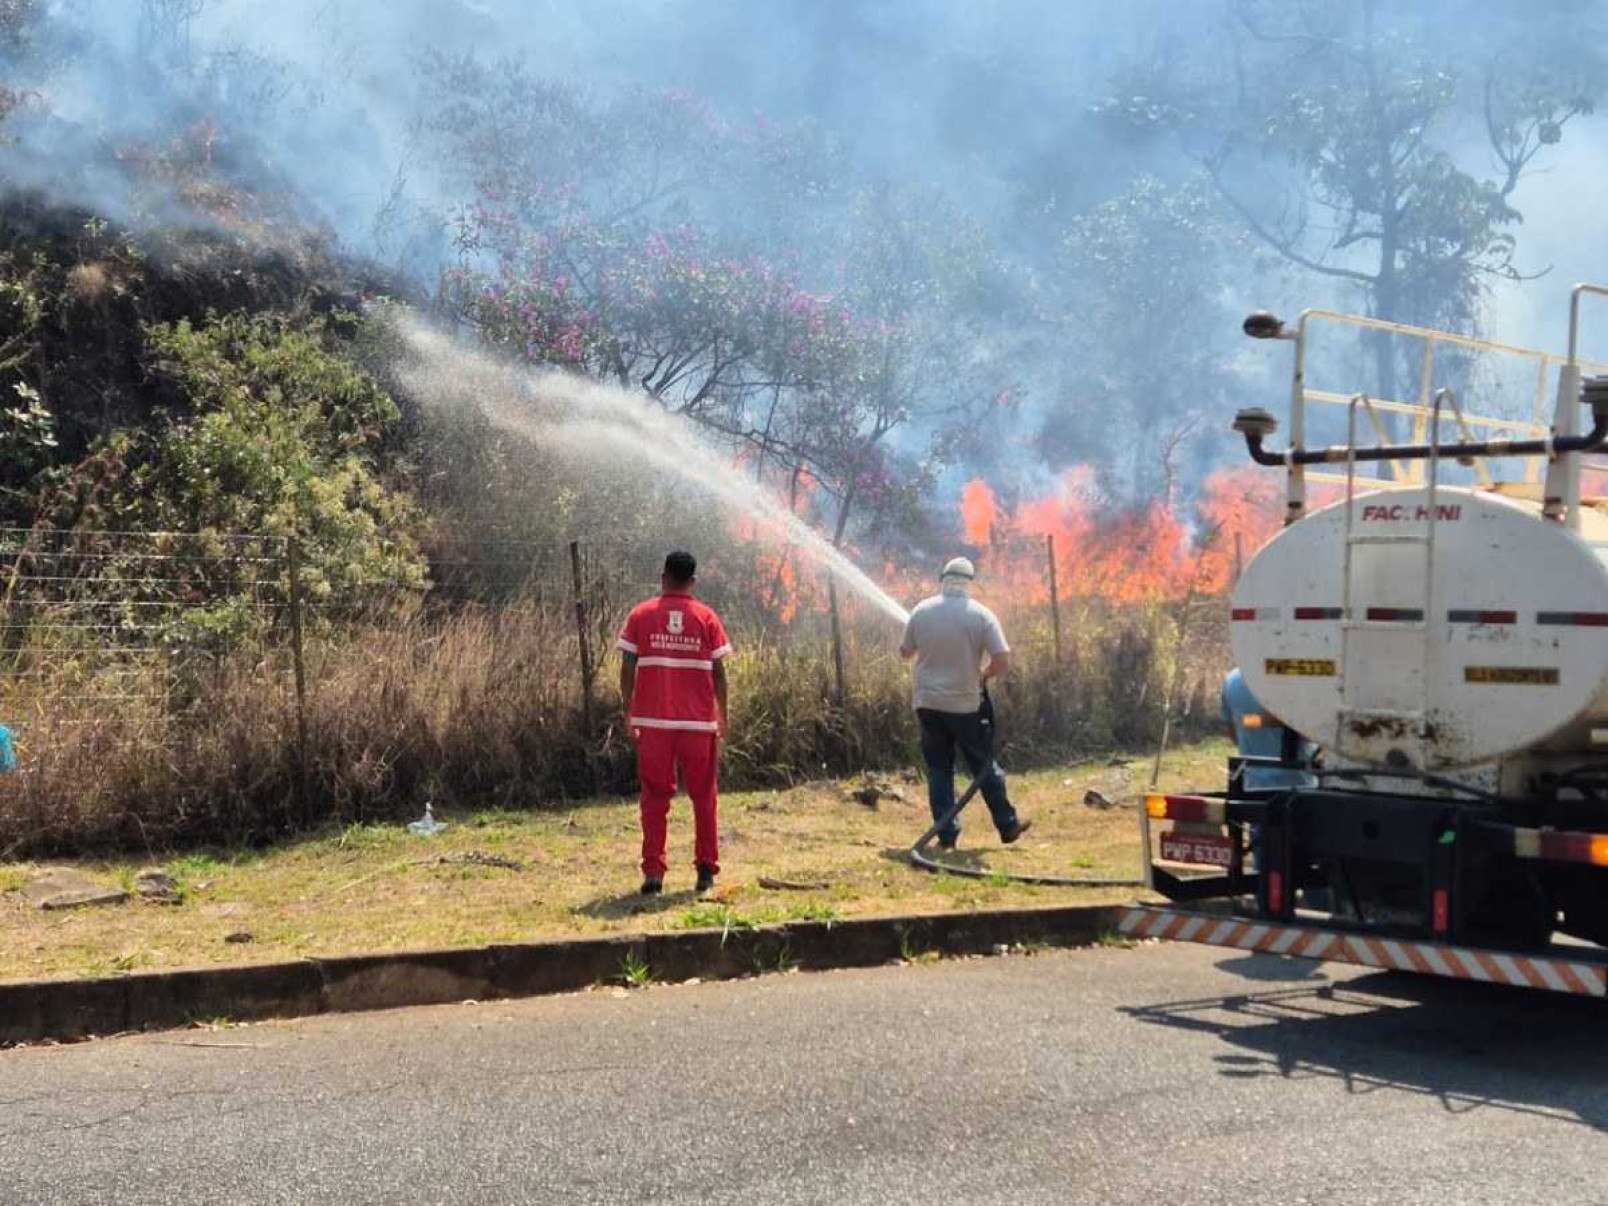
<point x="919" y="857"/>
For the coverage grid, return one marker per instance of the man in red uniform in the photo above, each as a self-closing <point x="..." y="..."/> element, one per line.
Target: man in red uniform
<point x="673" y="679"/>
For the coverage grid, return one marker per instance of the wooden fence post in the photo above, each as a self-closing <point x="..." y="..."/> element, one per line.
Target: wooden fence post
<point x="298" y="656"/>
<point x="837" y="639"/>
<point x="1055" y="596"/>
<point x="588" y="669"/>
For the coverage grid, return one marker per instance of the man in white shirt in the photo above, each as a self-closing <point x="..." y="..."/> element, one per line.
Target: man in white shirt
<point x="948" y="635"/>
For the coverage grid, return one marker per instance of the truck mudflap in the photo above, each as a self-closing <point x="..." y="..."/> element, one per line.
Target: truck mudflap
<point x="1554" y="970"/>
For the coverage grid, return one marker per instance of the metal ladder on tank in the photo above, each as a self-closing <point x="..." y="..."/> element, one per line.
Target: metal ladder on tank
<point x="1355" y="620"/>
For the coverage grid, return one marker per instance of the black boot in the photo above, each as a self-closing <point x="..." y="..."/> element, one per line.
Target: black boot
<point x="1015" y="831"/>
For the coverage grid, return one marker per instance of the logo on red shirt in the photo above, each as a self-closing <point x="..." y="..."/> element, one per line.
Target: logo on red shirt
<point x="676" y="640"/>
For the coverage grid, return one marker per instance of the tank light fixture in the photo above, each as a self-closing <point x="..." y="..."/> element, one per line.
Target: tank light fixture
<point x="1561" y="846"/>
<point x="1185" y="808"/>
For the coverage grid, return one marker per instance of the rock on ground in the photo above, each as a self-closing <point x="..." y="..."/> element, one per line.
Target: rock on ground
<point x="63" y="888"/>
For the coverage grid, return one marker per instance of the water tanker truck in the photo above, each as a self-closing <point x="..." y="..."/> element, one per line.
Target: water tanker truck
<point x="1428" y="636"/>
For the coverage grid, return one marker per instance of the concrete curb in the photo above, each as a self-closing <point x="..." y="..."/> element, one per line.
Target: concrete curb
<point x="31" y="1011"/>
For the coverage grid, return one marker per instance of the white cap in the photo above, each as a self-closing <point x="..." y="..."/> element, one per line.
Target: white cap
<point x="961" y="568"/>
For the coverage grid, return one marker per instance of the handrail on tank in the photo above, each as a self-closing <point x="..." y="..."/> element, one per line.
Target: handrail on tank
<point x="1574" y="314"/>
<point x="1257" y="424"/>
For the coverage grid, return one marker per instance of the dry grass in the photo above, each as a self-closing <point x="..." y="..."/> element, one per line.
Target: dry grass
<point x="480" y="709"/>
<point x="376" y="887"/>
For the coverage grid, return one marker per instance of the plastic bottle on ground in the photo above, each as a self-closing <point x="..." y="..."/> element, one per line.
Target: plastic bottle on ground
<point x="427" y="825"/>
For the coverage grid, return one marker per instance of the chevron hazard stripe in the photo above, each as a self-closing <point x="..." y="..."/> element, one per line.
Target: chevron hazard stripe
<point x="1576" y="976"/>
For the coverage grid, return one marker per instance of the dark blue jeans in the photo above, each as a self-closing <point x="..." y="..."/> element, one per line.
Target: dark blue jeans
<point x="972" y="733"/>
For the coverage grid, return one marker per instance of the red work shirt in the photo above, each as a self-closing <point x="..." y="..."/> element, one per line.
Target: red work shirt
<point x="677" y="641"/>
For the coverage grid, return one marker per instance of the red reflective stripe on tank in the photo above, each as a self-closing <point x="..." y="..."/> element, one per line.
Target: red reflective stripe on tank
<point x="1574" y="619"/>
<point x="1318" y="613"/>
<point x="1394" y="614"/>
<point x="1460" y="615"/>
<point x="1242" y="613"/>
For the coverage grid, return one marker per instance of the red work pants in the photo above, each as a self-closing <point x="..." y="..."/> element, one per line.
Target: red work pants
<point x="658" y="752"/>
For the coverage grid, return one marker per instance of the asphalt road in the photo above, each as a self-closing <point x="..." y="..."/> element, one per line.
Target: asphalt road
<point x="1162" y="1074"/>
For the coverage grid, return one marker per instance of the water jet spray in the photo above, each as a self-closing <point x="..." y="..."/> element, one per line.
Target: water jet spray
<point x="590" y="420"/>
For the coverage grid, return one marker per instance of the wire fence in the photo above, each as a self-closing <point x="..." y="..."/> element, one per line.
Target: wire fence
<point x="109" y="627"/>
<point x="196" y="687"/>
<point x="89" y="618"/>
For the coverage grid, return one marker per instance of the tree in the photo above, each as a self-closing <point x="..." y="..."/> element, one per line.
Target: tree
<point x="1377" y="150"/>
<point x="1349" y="145"/>
<point x="1145" y="328"/>
<point x="278" y="439"/>
<point x="622" y="239"/>
<point x="164" y="30"/>
<point x="19" y="21"/>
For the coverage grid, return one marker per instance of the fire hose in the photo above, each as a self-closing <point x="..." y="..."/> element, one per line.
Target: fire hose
<point x="919" y="857"/>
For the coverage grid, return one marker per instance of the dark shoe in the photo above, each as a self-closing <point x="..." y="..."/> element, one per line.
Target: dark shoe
<point x="706" y="879"/>
<point x="652" y="886"/>
<point x="949" y="844"/>
<point x="1015" y="831"/>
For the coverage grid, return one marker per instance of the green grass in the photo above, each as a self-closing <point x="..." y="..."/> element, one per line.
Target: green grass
<point x="778" y="960"/>
<point x="1113" y="938"/>
<point x="813" y="910"/>
<point x="379" y="888"/>
<point x="190" y="867"/>
<point x="913" y="950"/>
<point x="634" y="971"/>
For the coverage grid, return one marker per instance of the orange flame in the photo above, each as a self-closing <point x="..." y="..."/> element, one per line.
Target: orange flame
<point x="978" y="509"/>
<point x="782" y="588"/>
<point x="1123" y="554"/>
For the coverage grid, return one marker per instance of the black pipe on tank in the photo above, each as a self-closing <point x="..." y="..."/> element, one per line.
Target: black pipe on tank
<point x="1256" y="425"/>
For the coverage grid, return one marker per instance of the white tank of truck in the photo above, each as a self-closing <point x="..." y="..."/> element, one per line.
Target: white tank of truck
<point x="1425" y="627"/>
<point x="1431" y="629"/>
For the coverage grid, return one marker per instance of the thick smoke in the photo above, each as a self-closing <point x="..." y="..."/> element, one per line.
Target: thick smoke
<point x="1024" y="117"/>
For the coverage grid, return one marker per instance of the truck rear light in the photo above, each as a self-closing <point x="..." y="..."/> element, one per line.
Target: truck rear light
<point x="1439" y="911"/>
<point x="1561" y="846"/>
<point x="1575" y="848"/>
<point x="1275" y="891"/>
<point x="1185" y="808"/>
<point x="1252" y="720"/>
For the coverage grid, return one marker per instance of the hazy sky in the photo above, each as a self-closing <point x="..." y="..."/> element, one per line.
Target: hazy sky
<point x="975" y="99"/>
